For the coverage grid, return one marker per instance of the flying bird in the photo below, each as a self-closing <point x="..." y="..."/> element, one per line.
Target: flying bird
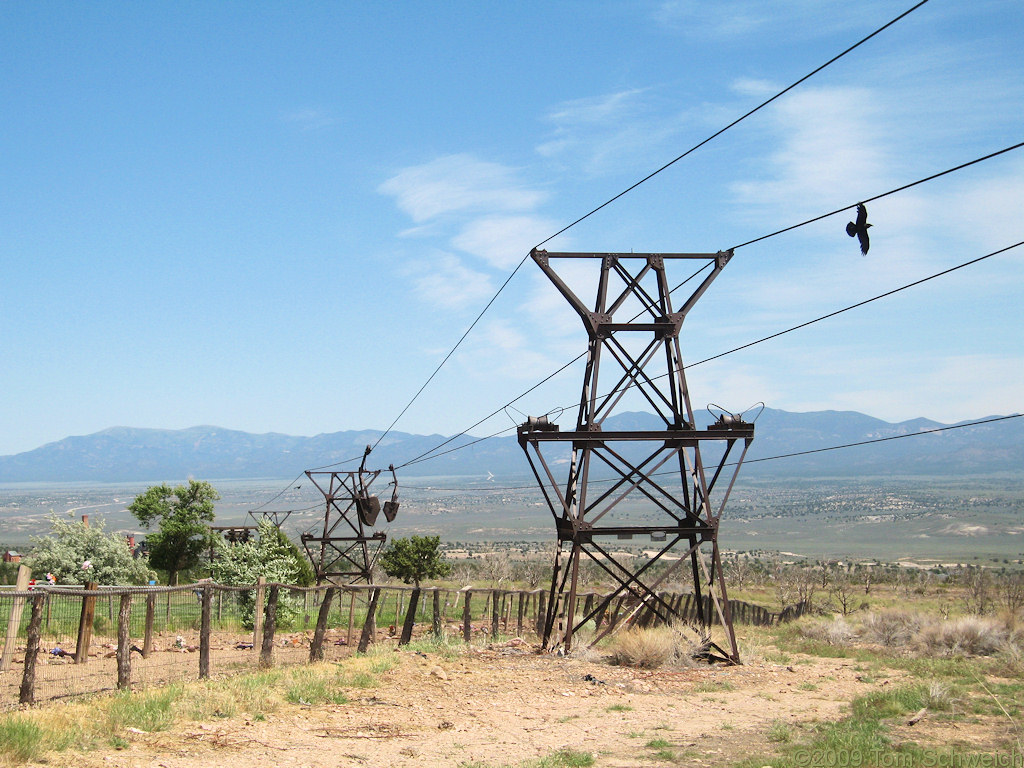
<point x="860" y="229"/>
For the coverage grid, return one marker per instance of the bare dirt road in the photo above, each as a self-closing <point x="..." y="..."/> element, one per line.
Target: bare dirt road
<point x="508" y="705"/>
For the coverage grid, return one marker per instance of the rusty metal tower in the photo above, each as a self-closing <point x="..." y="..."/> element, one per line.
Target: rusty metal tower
<point x="346" y="549"/>
<point x="626" y="483"/>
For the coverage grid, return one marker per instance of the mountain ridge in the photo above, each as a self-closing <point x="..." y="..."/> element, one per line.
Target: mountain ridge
<point x="122" y="453"/>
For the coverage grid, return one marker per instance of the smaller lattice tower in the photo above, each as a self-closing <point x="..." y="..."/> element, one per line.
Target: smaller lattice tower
<point x="346" y="548"/>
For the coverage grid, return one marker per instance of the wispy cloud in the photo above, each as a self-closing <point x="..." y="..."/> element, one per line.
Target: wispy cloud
<point x="615" y="131"/>
<point x="832" y="148"/>
<point x="958" y="387"/>
<point x="734" y="19"/>
<point x="459" y="183"/>
<point x="442" y="279"/>
<point x="502" y="241"/>
<point x="309" y="119"/>
<point x="503" y="353"/>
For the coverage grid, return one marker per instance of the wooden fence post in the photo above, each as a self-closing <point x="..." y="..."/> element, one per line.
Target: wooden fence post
<point x="351" y="616"/>
<point x="467" y="617"/>
<point x="438" y="633"/>
<point x="206" y="602"/>
<point x="410" y="616"/>
<point x="497" y="598"/>
<point x="28" y="678"/>
<point x="316" y="647"/>
<point x="602" y="608"/>
<point x="269" y="627"/>
<point x="615" y="611"/>
<point x="541" y="613"/>
<point x="85" y="623"/>
<point x="147" y="638"/>
<point x="124" y="648"/>
<point x="370" y="625"/>
<point x="257" y="611"/>
<point x="519" y="614"/>
<point x="14" y="620"/>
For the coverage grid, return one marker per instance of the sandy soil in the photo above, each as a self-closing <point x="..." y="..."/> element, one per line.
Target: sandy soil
<point x="506" y="705"/>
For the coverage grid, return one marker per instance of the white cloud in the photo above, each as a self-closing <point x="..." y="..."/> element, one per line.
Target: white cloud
<point x="615" y="131"/>
<point x="795" y="19"/>
<point x="748" y="86"/>
<point x="446" y="281"/>
<point x="502" y="353"/>
<point x="459" y="184"/>
<point x="831" y="152"/>
<point x="503" y="241"/>
<point x="987" y="207"/>
<point x="309" y="119"/>
<point x="947" y="389"/>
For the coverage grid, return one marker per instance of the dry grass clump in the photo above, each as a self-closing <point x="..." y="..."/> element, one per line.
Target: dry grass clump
<point x="966" y="636"/>
<point x="836" y="632"/>
<point x="938" y="697"/>
<point x="656" y="646"/>
<point x="917" y="633"/>
<point x="893" y="629"/>
<point x="644" y="648"/>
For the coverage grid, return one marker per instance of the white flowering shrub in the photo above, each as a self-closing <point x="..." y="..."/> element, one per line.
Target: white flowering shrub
<point x="74" y="553"/>
<point x="272" y="556"/>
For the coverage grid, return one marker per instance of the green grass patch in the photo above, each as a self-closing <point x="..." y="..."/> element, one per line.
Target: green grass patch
<point x="564" y="758"/>
<point x="151" y="710"/>
<point x="779" y="733"/>
<point x="619" y="708"/>
<point x="22" y="739"/>
<point x="713" y="686"/>
<point x="381" y="665"/>
<point x="865" y="734"/>
<point x="311" y="687"/>
<point x="119" y="743"/>
<point x="359" y="680"/>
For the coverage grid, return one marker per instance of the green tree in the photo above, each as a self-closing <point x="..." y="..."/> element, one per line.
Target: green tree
<point x="273" y="556"/>
<point x="412" y="560"/>
<point x="182" y="516"/>
<point x="71" y="545"/>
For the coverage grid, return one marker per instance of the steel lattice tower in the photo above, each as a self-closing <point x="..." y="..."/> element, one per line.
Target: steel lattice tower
<point x="346" y="550"/>
<point x="635" y="482"/>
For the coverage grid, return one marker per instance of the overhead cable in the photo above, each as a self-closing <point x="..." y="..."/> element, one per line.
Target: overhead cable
<point x="920" y="433"/>
<point x="279" y="493"/>
<point x="858" y="304"/>
<point x="630" y="189"/>
<point x="879" y="197"/>
<point x="883" y="439"/>
<point x="426" y="456"/>
<point x="738" y="120"/>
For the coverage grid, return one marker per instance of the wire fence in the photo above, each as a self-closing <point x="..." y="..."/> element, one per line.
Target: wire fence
<point x="63" y="642"/>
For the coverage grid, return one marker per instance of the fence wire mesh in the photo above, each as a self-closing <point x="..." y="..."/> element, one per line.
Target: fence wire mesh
<point x="89" y="641"/>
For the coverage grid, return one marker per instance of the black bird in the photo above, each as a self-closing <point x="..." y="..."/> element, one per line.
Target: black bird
<point x="860" y="229"/>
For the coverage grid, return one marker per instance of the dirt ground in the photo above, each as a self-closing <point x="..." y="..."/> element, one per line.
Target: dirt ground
<point x="506" y="705"/>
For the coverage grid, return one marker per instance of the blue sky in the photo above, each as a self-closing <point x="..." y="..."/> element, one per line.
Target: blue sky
<point x="281" y="216"/>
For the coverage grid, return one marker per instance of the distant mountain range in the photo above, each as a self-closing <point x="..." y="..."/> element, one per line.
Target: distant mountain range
<point x="126" y="454"/>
